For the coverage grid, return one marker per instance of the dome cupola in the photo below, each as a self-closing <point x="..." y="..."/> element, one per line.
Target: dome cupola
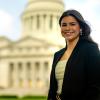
<point x="40" y="18"/>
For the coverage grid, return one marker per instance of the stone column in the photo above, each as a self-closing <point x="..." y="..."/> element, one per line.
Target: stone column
<point x="15" y="75"/>
<point x="3" y="74"/>
<point x="35" y="24"/>
<point x="54" y="21"/>
<point x="32" y="74"/>
<point x="47" y="23"/>
<point x="24" y="76"/>
<point x="44" y="23"/>
<point x="58" y="27"/>
<point x="41" y="23"/>
<point x="31" y="23"/>
<point x="26" y="25"/>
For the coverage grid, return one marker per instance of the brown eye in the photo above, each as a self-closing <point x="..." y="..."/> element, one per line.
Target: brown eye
<point x="64" y="24"/>
<point x="73" y="24"/>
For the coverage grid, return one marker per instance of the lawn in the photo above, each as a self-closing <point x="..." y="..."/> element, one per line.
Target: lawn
<point x="25" y="98"/>
<point x="21" y="99"/>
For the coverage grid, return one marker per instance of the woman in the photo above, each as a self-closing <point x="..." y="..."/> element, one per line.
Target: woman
<point x="75" y="73"/>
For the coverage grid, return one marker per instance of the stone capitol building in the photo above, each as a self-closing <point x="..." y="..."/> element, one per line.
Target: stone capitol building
<point x="25" y="64"/>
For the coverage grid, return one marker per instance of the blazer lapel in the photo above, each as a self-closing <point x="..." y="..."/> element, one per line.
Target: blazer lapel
<point x="67" y="73"/>
<point x="58" y="56"/>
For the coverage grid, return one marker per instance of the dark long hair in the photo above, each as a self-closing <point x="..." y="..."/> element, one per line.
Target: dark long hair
<point x="86" y="30"/>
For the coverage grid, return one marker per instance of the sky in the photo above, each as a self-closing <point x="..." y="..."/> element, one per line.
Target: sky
<point x="11" y="10"/>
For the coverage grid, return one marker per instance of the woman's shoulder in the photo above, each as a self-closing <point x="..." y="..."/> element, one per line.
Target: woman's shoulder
<point x="91" y="48"/>
<point x="89" y="44"/>
<point x="60" y="51"/>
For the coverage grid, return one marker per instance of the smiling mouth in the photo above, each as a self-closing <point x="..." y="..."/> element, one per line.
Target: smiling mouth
<point x="68" y="33"/>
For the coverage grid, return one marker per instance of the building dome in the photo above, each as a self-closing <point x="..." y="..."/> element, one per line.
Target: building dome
<point x="48" y="5"/>
<point x="40" y="19"/>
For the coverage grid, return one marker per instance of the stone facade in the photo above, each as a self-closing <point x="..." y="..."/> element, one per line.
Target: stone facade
<point x="25" y="65"/>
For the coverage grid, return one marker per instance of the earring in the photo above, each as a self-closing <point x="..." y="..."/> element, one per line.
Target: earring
<point x="80" y="31"/>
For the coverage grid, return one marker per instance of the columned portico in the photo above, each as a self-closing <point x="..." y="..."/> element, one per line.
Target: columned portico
<point x="25" y="65"/>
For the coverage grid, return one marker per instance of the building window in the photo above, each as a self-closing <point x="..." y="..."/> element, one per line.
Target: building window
<point x="37" y="66"/>
<point x="28" y="70"/>
<point x="51" y="21"/>
<point x="44" y="19"/>
<point x="46" y="65"/>
<point x="44" y="16"/>
<point x="28" y="65"/>
<point x="31" y="22"/>
<point x="11" y="67"/>
<point x="20" y="66"/>
<point x="19" y="69"/>
<point x="38" y="21"/>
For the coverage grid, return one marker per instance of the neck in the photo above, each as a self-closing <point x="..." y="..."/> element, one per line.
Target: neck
<point x="72" y="44"/>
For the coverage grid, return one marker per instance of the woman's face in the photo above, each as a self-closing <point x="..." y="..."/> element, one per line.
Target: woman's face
<point x="70" y="28"/>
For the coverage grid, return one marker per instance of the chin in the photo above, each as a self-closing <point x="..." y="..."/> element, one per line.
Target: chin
<point x="69" y="39"/>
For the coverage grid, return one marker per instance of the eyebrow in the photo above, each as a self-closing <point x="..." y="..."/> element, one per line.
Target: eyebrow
<point x="70" y="23"/>
<point x="67" y="23"/>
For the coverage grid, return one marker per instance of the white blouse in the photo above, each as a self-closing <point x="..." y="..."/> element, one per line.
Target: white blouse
<point x="59" y="73"/>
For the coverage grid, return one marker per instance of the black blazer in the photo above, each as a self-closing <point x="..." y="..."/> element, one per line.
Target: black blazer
<point x="82" y="73"/>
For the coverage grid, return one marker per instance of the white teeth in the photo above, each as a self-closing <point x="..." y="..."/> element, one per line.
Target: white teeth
<point x="67" y="33"/>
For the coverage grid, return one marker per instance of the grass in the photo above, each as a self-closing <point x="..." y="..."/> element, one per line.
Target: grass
<point x="25" y="98"/>
<point x="21" y="99"/>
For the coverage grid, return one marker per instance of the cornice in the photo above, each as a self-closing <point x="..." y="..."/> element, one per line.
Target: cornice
<point x="46" y="1"/>
<point x="57" y="1"/>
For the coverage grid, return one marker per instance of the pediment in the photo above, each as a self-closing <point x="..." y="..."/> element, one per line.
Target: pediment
<point x="30" y="42"/>
<point x="4" y="41"/>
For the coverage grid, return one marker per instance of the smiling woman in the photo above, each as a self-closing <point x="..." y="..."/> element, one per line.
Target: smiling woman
<point x="75" y="73"/>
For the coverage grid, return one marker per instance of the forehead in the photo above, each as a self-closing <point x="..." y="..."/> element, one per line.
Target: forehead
<point x="69" y="19"/>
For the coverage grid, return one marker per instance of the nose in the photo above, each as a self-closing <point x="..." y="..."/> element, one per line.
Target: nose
<point x="67" y="27"/>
